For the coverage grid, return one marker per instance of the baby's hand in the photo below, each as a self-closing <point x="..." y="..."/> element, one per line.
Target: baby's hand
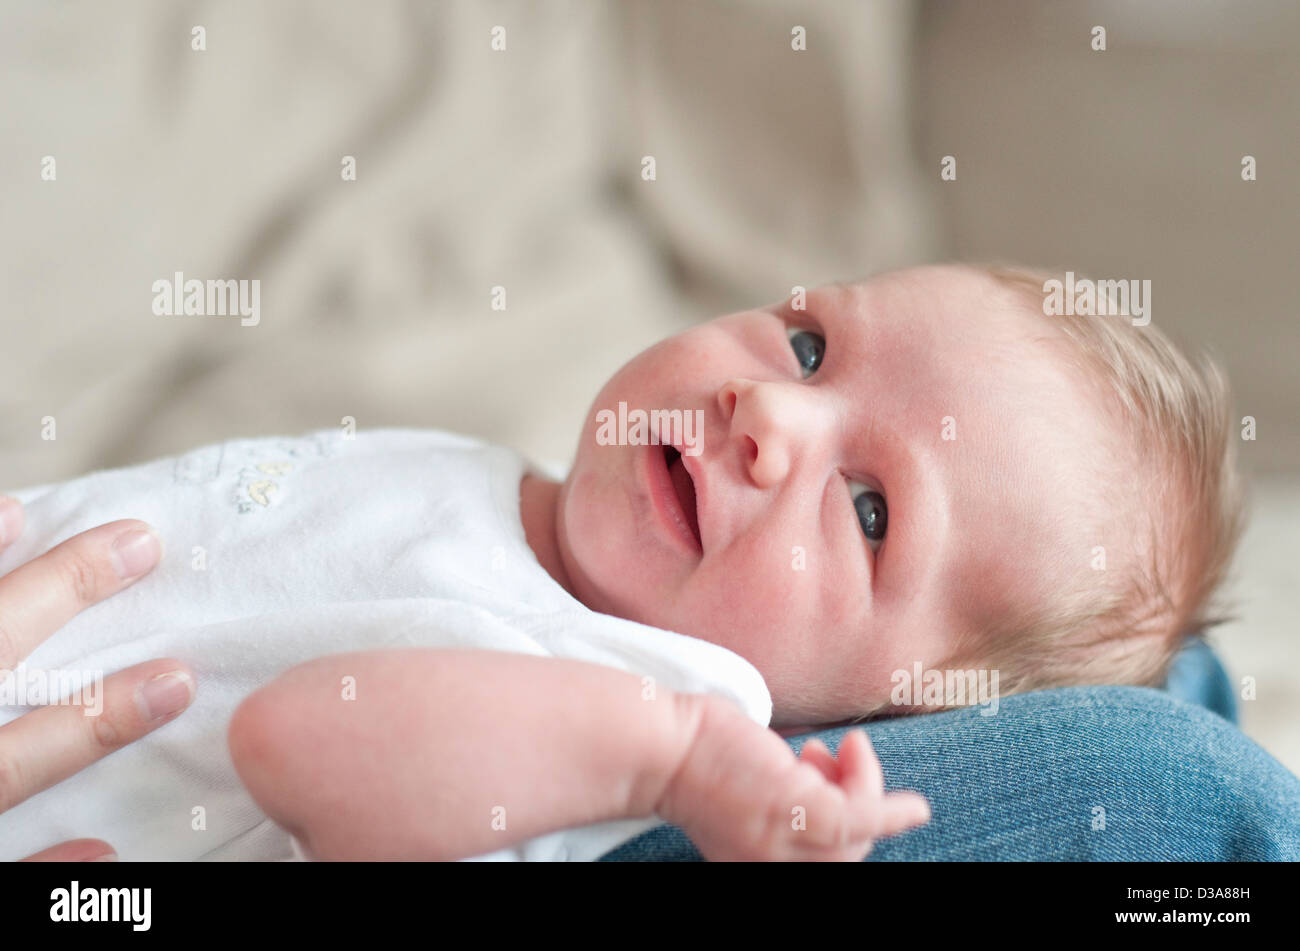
<point x="742" y="795"/>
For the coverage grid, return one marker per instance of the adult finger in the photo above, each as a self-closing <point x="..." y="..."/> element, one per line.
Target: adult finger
<point x="41" y="596"/>
<point x="11" y="521"/>
<point x="50" y="744"/>
<point x="78" y="850"/>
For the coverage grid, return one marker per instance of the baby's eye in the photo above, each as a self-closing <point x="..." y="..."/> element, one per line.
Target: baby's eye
<point x="809" y="348"/>
<point x="873" y="516"/>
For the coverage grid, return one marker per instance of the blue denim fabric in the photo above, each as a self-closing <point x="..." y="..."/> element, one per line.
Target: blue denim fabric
<point x="1171" y="779"/>
<point x="1197" y="677"/>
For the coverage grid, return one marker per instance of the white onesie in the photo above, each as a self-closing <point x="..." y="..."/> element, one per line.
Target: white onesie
<point x="280" y="550"/>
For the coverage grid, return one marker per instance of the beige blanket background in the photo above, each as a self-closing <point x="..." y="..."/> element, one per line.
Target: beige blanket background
<point x="521" y="169"/>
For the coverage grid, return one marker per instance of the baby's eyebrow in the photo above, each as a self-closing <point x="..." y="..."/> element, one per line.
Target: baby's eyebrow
<point x="785" y="309"/>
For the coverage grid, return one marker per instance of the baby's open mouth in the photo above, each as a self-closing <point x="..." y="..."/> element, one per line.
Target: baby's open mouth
<point x="684" y="486"/>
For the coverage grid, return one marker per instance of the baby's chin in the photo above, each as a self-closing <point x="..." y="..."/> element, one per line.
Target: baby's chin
<point x="811" y="704"/>
<point x="803" y="709"/>
<point x="793" y="720"/>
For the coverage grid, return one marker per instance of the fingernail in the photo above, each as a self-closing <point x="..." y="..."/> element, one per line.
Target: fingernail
<point x="134" y="553"/>
<point x="106" y="857"/>
<point x="11" y="519"/>
<point x="165" y="694"/>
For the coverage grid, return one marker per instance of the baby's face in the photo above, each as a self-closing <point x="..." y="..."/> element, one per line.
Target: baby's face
<point x="932" y="418"/>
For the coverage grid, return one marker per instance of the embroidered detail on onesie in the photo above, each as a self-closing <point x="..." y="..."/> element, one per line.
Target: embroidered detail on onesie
<point x="256" y="490"/>
<point x="253" y="490"/>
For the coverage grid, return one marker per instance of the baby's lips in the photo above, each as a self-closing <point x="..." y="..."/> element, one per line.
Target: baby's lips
<point x="695" y="469"/>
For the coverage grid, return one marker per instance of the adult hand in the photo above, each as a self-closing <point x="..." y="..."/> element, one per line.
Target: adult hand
<point x="46" y="746"/>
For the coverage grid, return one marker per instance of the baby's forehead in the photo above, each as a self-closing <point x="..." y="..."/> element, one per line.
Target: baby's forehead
<point x="956" y="293"/>
<point x="967" y="373"/>
<point x="931" y="343"/>
<point x="952" y="330"/>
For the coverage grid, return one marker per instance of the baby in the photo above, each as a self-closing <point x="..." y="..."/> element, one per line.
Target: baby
<point x="922" y="470"/>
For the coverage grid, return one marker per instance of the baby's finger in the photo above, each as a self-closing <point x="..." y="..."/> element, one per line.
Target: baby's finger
<point x="860" y="773"/>
<point x="900" y="811"/>
<point x="78" y="850"/>
<point x="814" y="751"/>
<point x="51" y="743"/>
<point x="828" y="822"/>
<point x="41" y="596"/>
<point x="11" y="521"/>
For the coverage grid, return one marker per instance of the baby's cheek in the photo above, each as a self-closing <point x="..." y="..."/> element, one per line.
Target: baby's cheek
<point x="762" y="590"/>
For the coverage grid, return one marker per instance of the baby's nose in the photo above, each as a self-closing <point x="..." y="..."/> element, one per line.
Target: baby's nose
<point x="769" y="423"/>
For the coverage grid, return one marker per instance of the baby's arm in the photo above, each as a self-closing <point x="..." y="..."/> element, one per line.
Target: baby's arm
<point x="416" y="766"/>
<point x="446" y="754"/>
